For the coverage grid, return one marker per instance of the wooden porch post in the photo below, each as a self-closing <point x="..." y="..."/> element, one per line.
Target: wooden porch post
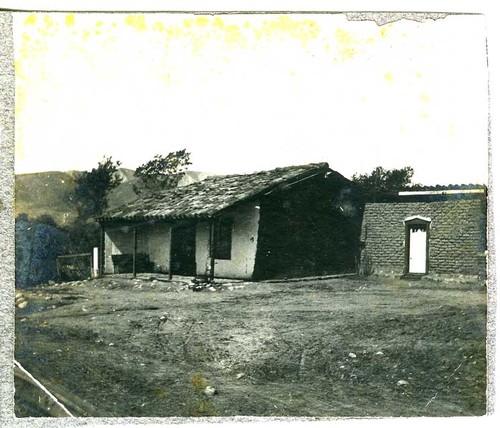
<point x="101" y="253"/>
<point x="134" y="255"/>
<point x="211" y="244"/>
<point x="170" y="254"/>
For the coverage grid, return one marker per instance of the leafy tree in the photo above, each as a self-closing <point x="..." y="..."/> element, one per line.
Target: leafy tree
<point x="381" y="180"/>
<point x="162" y="172"/>
<point x="46" y="219"/>
<point x="37" y="246"/>
<point x="92" y="188"/>
<point x="90" y="196"/>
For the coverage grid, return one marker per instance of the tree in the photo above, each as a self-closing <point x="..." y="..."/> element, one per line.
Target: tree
<point x="92" y="188"/>
<point x="46" y="219"/>
<point x="162" y="172"/>
<point x="382" y="180"/>
<point x="38" y="244"/>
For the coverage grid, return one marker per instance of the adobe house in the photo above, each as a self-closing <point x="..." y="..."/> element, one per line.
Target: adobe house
<point x="293" y="221"/>
<point x="439" y="230"/>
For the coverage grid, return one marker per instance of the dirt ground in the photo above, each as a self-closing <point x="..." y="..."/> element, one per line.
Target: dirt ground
<point x="333" y="347"/>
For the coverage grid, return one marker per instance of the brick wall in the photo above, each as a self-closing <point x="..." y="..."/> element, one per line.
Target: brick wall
<point x="457" y="236"/>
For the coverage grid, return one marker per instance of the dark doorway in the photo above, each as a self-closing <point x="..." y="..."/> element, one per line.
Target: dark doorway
<point x="183" y="250"/>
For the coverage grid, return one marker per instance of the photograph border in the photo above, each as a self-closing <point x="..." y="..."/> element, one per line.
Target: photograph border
<point x="7" y="259"/>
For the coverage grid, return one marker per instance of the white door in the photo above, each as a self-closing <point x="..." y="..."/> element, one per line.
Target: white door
<point x="418" y="249"/>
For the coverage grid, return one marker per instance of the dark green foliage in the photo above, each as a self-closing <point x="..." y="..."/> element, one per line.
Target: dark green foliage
<point x="82" y="236"/>
<point x="162" y="172"/>
<point x="39" y="241"/>
<point x="37" y="246"/>
<point x="92" y="188"/>
<point x="46" y="219"/>
<point x="381" y="180"/>
<point x="91" y="192"/>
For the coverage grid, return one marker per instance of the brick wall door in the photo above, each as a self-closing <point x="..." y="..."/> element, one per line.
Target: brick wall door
<point x="417" y="262"/>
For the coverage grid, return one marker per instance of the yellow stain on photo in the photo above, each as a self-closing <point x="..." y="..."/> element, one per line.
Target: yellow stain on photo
<point x="388" y="76"/>
<point x="223" y="62"/>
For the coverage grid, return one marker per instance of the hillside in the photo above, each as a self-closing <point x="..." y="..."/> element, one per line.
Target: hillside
<point x="46" y="193"/>
<point x="50" y="193"/>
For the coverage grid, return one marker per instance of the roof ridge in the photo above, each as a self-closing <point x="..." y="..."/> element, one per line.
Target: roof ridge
<point x="215" y="178"/>
<point x="279" y="168"/>
<point x="213" y="194"/>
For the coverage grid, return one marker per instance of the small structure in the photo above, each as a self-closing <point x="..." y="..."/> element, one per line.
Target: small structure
<point x="439" y="230"/>
<point x="293" y="221"/>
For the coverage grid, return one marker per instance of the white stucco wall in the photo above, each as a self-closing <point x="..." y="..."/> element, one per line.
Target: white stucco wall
<point x="243" y="245"/>
<point x="159" y="246"/>
<point x="151" y="239"/>
<point x="119" y="241"/>
<point x="155" y="240"/>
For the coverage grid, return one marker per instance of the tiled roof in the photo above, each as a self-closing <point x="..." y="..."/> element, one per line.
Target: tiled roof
<point x="206" y="198"/>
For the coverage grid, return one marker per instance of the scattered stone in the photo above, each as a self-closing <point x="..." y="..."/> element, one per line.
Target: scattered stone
<point x="379" y="353"/>
<point x="48" y="298"/>
<point x="352" y="355"/>
<point x="18" y="295"/>
<point x="230" y="288"/>
<point x="111" y="344"/>
<point x="23" y="304"/>
<point x="51" y="282"/>
<point x="402" y="382"/>
<point x="240" y="375"/>
<point x="209" y="391"/>
<point x="211" y="289"/>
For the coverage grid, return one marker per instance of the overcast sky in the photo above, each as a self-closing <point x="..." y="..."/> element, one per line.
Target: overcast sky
<point x="251" y="92"/>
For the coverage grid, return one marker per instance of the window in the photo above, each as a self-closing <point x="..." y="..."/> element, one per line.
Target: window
<point x="223" y="229"/>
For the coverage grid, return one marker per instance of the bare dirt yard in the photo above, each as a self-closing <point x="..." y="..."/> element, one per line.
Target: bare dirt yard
<point x="332" y="347"/>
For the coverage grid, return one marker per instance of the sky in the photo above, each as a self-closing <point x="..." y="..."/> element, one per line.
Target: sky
<point x="249" y="92"/>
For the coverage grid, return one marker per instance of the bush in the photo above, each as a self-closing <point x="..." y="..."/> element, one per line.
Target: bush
<point x="37" y="247"/>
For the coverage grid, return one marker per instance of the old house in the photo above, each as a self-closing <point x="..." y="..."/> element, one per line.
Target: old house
<point x="292" y="221"/>
<point x="440" y="230"/>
